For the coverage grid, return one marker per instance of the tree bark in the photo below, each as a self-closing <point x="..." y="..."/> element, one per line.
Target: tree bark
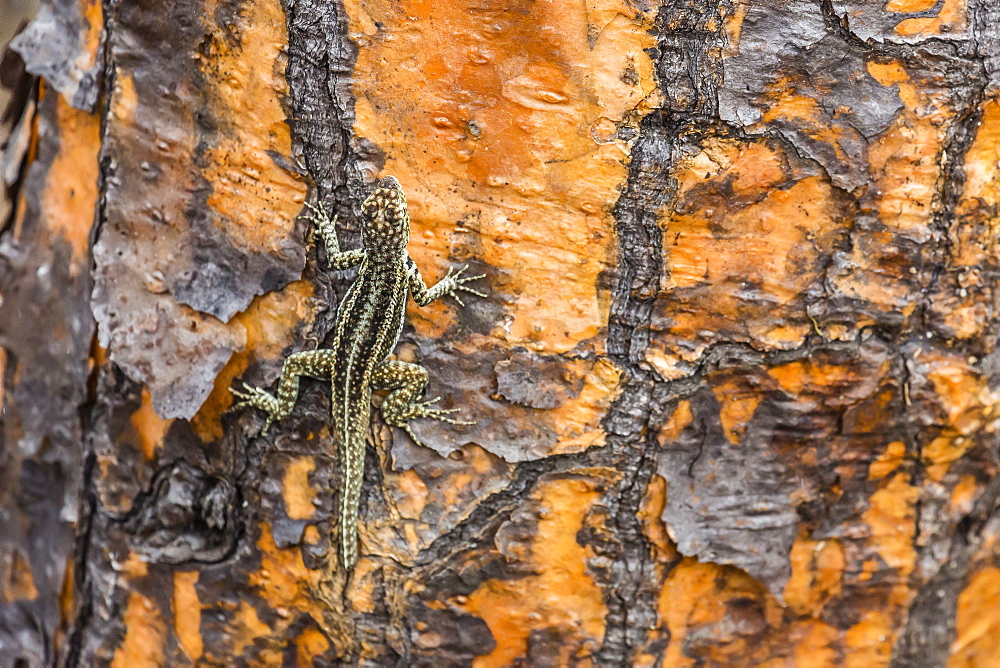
<point x="735" y="385"/>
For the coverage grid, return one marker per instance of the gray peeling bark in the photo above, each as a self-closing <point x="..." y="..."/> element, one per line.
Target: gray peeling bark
<point x="782" y="433"/>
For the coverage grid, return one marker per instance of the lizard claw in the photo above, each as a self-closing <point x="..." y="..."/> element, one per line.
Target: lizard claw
<point x="455" y="282"/>
<point x="472" y="290"/>
<point x="319" y="216"/>
<point x="423" y="409"/>
<point x="316" y="213"/>
<point x="406" y="428"/>
<point x="323" y="225"/>
<point x="255" y="397"/>
<point x="435" y="414"/>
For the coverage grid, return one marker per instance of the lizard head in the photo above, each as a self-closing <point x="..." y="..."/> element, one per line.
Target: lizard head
<point x="385" y="217"/>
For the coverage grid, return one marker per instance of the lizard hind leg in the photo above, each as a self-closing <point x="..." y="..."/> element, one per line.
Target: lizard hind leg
<point x="407" y="383"/>
<point x="314" y="363"/>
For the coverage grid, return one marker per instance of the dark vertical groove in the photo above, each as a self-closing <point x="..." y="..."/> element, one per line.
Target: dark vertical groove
<point x="970" y="73"/>
<point x="72" y="653"/>
<point x="321" y="59"/>
<point x="688" y="72"/>
<point x="965" y="78"/>
<point x="82" y="584"/>
<point x="930" y="626"/>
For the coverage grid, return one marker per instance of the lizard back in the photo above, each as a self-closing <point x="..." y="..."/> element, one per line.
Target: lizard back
<point x="369" y="321"/>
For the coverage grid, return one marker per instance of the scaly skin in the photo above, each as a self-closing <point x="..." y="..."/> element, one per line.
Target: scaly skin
<point x="369" y="321"/>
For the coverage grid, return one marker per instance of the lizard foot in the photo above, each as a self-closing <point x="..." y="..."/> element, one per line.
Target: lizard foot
<point x="454" y="281"/>
<point x="317" y="214"/>
<point x="323" y="225"/>
<point x="423" y="409"/>
<point x="256" y="397"/>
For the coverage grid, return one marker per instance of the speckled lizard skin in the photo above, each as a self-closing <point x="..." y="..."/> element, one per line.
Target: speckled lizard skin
<point x="369" y="321"/>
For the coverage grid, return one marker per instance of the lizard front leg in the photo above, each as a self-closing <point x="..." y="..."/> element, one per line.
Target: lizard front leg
<point x="449" y="285"/>
<point x="407" y="383"/>
<point x="326" y="229"/>
<point x="313" y="363"/>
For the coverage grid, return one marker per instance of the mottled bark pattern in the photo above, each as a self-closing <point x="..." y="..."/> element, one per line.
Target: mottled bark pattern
<point x="735" y="384"/>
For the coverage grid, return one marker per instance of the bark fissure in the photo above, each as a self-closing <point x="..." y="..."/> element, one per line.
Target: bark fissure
<point x="686" y="75"/>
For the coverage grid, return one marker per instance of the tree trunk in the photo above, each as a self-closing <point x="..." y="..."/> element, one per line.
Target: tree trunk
<point x="735" y="385"/>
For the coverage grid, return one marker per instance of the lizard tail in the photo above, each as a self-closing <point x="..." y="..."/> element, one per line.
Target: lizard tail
<point x="352" y="458"/>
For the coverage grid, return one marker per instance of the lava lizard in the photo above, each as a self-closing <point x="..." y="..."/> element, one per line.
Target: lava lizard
<point x="368" y="324"/>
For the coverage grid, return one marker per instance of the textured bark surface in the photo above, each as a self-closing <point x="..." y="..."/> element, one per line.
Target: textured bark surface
<point x="735" y="386"/>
